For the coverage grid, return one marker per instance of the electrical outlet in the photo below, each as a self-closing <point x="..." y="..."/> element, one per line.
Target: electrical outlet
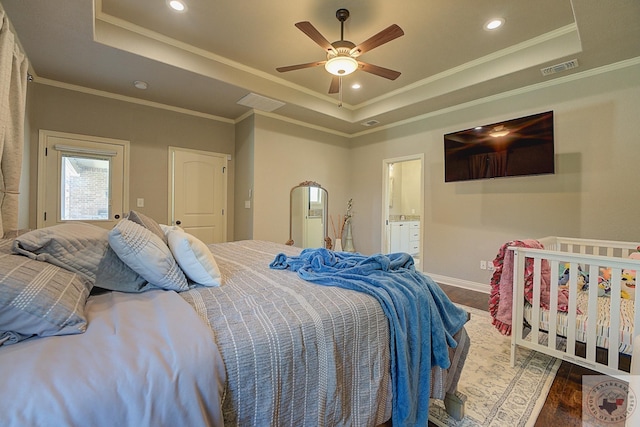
<point x="490" y="266"/>
<point x="483" y="265"/>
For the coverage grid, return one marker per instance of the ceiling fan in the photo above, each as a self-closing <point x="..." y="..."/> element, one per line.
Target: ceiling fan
<point x="342" y="54"/>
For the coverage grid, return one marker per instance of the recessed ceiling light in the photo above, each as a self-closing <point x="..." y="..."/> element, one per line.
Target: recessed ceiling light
<point x="494" y="23"/>
<point x="177" y="5"/>
<point x="140" y="84"/>
<point x="356" y="86"/>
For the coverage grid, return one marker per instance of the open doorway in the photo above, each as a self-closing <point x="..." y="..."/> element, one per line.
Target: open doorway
<point x="403" y="206"/>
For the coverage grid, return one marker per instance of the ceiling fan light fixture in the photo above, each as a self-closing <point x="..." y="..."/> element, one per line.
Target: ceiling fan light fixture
<point x="341" y="65"/>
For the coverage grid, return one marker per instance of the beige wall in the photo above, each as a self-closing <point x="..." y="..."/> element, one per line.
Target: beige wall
<point x="285" y="155"/>
<point x="150" y="132"/>
<point x="24" y="199"/>
<point x="593" y="193"/>
<point x="243" y="220"/>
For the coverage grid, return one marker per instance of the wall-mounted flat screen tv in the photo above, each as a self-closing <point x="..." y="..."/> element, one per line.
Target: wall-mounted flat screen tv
<point x="523" y="146"/>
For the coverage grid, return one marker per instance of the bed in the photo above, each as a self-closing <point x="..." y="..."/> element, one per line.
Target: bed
<point x="257" y="346"/>
<point x="574" y="297"/>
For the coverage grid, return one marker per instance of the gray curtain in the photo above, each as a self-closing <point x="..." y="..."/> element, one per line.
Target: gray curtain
<point x="13" y="93"/>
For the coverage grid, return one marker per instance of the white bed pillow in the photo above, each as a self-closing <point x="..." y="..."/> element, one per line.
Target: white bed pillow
<point x="194" y="257"/>
<point x="167" y="228"/>
<point x="147" y="255"/>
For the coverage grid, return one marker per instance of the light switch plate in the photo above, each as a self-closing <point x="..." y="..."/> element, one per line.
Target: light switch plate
<point x="140" y="202"/>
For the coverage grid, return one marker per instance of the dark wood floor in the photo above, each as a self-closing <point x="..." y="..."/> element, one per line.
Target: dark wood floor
<point x="563" y="406"/>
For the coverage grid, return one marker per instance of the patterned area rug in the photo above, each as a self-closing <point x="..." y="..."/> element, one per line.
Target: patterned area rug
<point x="497" y="394"/>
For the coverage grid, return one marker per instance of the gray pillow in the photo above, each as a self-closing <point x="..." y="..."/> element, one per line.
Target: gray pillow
<point x="148" y="255"/>
<point x="81" y="248"/>
<point x="38" y="298"/>
<point x="148" y="223"/>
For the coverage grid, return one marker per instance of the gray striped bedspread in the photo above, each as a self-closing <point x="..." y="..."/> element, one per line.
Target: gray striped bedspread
<point x="296" y="353"/>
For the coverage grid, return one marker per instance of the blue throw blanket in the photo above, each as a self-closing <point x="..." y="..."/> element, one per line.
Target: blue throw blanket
<point x="422" y="319"/>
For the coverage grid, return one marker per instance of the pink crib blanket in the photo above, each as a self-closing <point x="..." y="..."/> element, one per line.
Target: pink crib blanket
<point x="501" y="296"/>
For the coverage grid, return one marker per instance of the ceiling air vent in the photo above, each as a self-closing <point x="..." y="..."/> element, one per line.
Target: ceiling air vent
<point x="547" y="71"/>
<point x="260" y="102"/>
<point x="370" y="123"/>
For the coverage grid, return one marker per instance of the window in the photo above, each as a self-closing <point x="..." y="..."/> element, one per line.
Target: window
<point x="84" y="188"/>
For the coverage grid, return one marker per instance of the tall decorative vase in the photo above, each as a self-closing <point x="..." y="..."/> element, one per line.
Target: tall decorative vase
<point x="348" y="239"/>
<point x="337" y="245"/>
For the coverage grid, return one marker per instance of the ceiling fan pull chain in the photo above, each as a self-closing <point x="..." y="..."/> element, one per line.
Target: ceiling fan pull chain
<point x="340" y="91"/>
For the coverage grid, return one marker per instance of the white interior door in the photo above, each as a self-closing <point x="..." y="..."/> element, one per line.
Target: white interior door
<point x="198" y="193"/>
<point x="81" y="178"/>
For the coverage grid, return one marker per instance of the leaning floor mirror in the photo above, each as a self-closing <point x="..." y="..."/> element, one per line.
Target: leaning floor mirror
<point x="308" y="216"/>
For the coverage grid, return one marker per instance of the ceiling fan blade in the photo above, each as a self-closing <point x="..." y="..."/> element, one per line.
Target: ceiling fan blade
<point x="335" y="84"/>
<point x="384" y="36"/>
<point x="300" y="66"/>
<point x="379" y="71"/>
<point x="307" y="28"/>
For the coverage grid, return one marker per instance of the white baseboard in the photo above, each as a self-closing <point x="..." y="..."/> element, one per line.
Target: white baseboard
<point x="461" y="283"/>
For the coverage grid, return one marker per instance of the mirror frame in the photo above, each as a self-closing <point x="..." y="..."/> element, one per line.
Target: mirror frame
<point x="325" y="214"/>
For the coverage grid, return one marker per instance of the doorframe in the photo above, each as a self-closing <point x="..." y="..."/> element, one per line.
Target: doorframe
<point x="43" y="137"/>
<point x="385" y="241"/>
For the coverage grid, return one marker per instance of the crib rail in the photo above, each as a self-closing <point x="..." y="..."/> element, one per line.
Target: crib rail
<point x="610" y="248"/>
<point x="576" y="253"/>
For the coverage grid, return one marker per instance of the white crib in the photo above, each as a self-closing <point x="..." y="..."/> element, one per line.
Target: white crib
<point x="598" y="315"/>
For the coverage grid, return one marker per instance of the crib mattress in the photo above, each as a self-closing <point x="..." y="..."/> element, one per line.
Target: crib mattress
<point x="602" y="325"/>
